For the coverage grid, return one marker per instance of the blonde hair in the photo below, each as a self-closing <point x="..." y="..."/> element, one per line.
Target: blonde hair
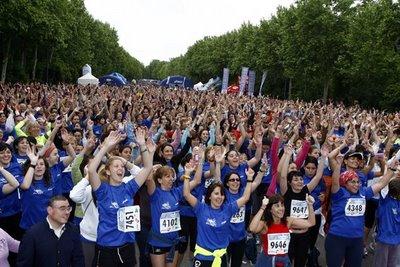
<point x="104" y="177"/>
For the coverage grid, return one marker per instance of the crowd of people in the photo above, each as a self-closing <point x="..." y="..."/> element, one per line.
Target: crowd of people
<point x="177" y="173"/>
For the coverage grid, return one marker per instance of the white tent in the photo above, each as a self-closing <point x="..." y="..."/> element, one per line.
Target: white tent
<point x="88" y="78"/>
<point x="198" y="86"/>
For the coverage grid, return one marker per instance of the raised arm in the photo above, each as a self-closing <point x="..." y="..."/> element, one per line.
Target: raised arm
<point x="68" y="147"/>
<point x="304" y="223"/>
<point x="112" y="139"/>
<point x="259" y="176"/>
<point x="247" y="191"/>
<point x="257" y="225"/>
<point x="285" y="169"/>
<point x="257" y="157"/>
<point x="392" y="168"/>
<point x="12" y="182"/>
<point x="33" y="158"/>
<point x="192" y="200"/>
<point x="315" y="180"/>
<point x="335" y="164"/>
<point x="147" y="150"/>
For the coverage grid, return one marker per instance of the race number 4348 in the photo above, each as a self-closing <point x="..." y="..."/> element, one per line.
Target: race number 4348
<point x="355" y="207"/>
<point x="129" y="219"/>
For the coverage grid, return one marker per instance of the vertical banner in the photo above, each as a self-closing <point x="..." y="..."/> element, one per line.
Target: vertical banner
<point x="262" y="82"/>
<point x="252" y="81"/>
<point x="225" y="80"/>
<point x="243" y="80"/>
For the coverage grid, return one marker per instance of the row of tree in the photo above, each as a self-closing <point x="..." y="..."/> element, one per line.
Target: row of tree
<point x="341" y="49"/>
<point x="49" y="41"/>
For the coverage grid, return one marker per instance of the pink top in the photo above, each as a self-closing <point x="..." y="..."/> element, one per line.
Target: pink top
<point x="7" y="243"/>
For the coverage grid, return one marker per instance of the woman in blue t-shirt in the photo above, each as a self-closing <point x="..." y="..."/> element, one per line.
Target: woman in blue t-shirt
<point x="38" y="188"/>
<point x="344" y="241"/>
<point x="9" y="185"/>
<point x="165" y="213"/>
<point x="213" y="222"/>
<point x="118" y="218"/>
<point x="234" y="191"/>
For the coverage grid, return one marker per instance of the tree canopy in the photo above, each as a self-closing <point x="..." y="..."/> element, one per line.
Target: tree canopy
<point x="328" y="49"/>
<point x="49" y="41"/>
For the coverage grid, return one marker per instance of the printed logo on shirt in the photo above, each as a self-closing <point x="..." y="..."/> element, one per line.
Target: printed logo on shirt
<point x="224" y="222"/>
<point x="114" y="205"/>
<point x="166" y="206"/>
<point x="197" y="263"/>
<point x="125" y="200"/>
<point x="3" y="243"/>
<point x="37" y="192"/>
<point x="211" y="222"/>
<point x="394" y="211"/>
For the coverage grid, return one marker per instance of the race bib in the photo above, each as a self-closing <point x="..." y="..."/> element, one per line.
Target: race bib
<point x="299" y="209"/>
<point x="129" y="219"/>
<point x="355" y="207"/>
<point x="170" y="222"/>
<point x="239" y="216"/>
<point x="278" y="243"/>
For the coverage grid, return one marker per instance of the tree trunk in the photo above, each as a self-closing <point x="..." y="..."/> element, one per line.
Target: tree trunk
<point x="290" y="89"/>
<point x="34" y="63"/>
<point x="5" y="61"/>
<point x="327" y="84"/>
<point x="48" y="63"/>
<point x="23" y="57"/>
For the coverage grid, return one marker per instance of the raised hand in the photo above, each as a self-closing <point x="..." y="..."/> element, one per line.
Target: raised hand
<point x="140" y="136"/>
<point x="250" y="174"/>
<point x="265" y="202"/>
<point x="151" y="146"/>
<point x="33" y="157"/>
<point x="309" y="199"/>
<point x="65" y="135"/>
<point x="220" y="154"/>
<point x="112" y="139"/>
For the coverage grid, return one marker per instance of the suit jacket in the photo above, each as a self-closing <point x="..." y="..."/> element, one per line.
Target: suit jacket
<point x="41" y="247"/>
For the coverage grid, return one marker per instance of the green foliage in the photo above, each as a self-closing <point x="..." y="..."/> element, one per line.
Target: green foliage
<point x="66" y="38"/>
<point x="339" y="49"/>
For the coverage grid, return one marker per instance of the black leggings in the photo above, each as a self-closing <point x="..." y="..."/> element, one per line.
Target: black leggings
<point x="314" y="231"/>
<point x="236" y="251"/>
<point x="123" y="256"/>
<point x="298" y="248"/>
<point x="189" y="230"/>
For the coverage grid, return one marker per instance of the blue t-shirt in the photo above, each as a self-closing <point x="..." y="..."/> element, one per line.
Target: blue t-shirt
<point x="66" y="178"/>
<point x="348" y="212"/>
<point x="20" y="159"/>
<point x="237" y="222"/>
<point x="213" y="226"/>
<point x="185" y="208"/>
<point x="388" y="230"/>
<point x="320" y="188"/>
<point x="241" y="170"/>
<point x="56" y="176"/>
<point x="109" y="200"/>
<point x="34" y="203"/>
<point x="11" y="203"/>
<point x="164" y="215"/>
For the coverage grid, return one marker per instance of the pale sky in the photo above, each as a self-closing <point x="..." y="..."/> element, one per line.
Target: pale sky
<point x="164" y="29"/>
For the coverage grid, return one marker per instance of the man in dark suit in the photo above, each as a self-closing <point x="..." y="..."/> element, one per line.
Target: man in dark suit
<point x="53" y="242"/>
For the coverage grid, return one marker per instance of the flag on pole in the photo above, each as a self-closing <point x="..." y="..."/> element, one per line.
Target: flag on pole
<point x="225" y="80"/>
<point x="243" y="79"/>
<point x="264" y="76"/>
<point x="252" y="81"/>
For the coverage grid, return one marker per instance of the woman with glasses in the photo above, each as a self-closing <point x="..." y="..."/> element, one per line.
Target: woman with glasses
<point x="213" y="221"/>
<point x="234" y="191"/>
<point x="344" y="241"/>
